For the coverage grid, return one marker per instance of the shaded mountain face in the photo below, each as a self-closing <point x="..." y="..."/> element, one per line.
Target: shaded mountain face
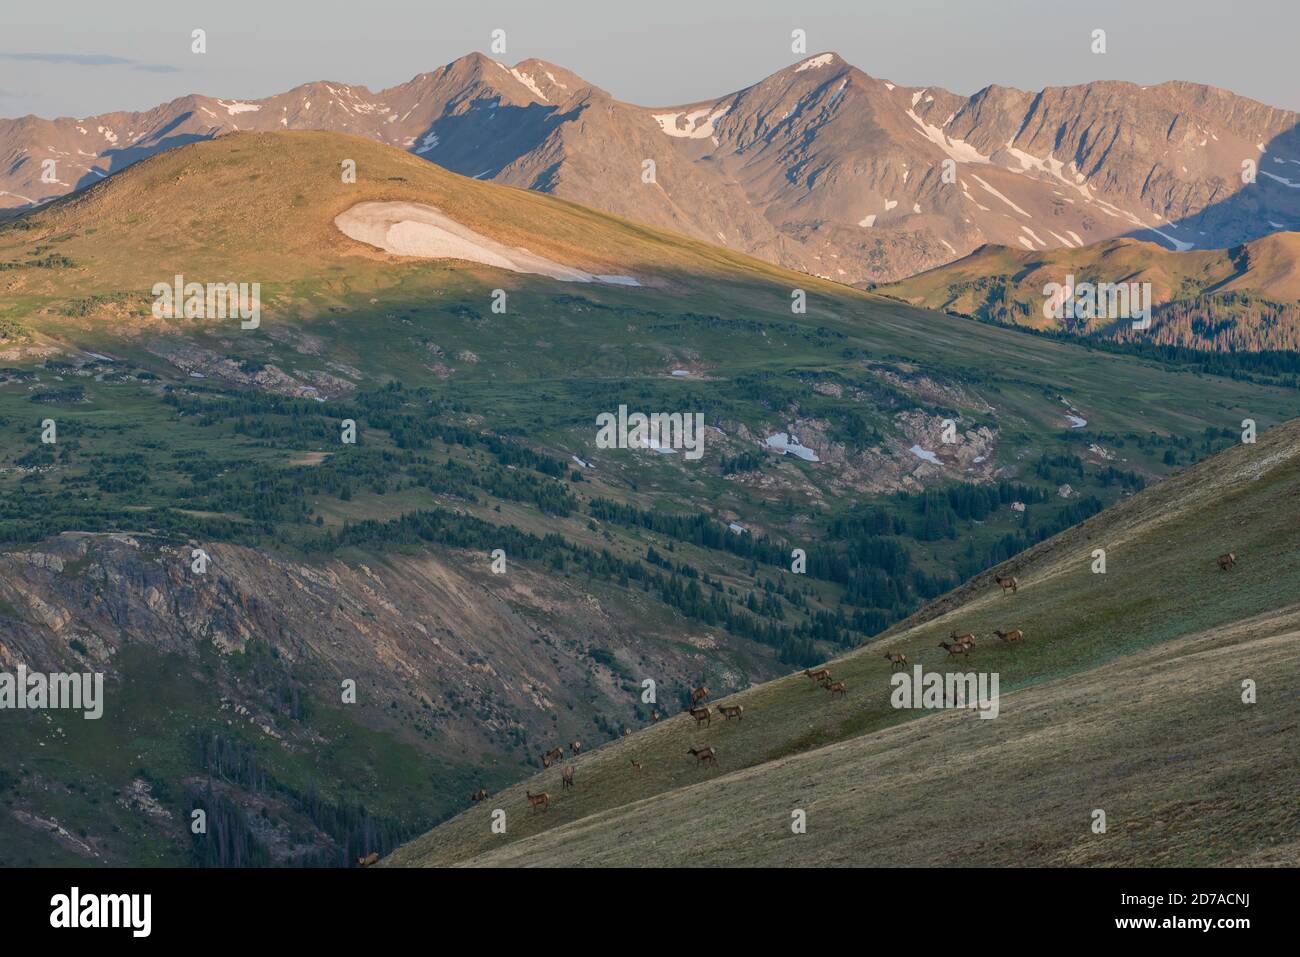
<point x="819" y="167"/>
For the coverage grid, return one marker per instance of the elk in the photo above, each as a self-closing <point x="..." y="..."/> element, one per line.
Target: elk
<point x="896" y="658"/>
<point x="626" y="732"/>
<point x="479" y="795"/>
<point x="702" y="714"/>
<point x="539" y="800"/>
<point x="703" y="755"/>
<point x="1006" y="583"/>
<point x="654" y="715"/>
<point x="546" y="760"/>
<point x="576" y="748"/>
<point x="730" y="711"/>
<point x="836" y="687"/>
<point x="954" y="649"/>
<point x="1227" y="560"/>
<point x="699" y="694"/>
<point x="967" y="639"/>
<point x="566" y="777"/>
<point x="1014" y="634"/>
<point x="556" y="754"/>
<point x="368" y="860"/>
<point x="818" y="676"/>
<point x="636" y="766"/>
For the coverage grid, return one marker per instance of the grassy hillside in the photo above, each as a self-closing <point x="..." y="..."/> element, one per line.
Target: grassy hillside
<point x="1125" y="695"/>
<point x="1243" y="299"/>
<point x="475" y="431"/>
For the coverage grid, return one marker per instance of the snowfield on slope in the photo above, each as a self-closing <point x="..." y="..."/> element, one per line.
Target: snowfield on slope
<point x="414" y="229"/>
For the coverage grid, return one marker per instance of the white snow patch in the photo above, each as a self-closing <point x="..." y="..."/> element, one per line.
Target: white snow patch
<point x="238" y="107"/>
<point x="815" y="63"/>
<point x="414" y="229"/>
<point x="990" y="189"/>
<point x="698" y="125"/>
<point x="529" y="82"/>
<point x="925" y="454"/>
<point x="789" y="445"/>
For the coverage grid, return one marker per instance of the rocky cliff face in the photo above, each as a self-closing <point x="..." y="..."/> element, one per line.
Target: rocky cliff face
<point x="472" y="674"/>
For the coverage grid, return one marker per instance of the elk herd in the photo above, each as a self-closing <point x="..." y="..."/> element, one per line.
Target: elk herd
<point x="702" y="712"/>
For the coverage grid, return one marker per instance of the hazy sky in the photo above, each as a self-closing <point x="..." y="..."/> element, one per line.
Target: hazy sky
<point x="78" y="57"/>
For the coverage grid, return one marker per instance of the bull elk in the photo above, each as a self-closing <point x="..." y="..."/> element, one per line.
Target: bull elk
<point x="730" y="711"/>
<point x="818" y="676"/>
<point x="702" y="715"/>
<point x="703" y="755"/>
<point x="699" y="694"/>
<point x="368" y="860"/>
<point x="576" y="748"/>
<point x="1006" y="583"/>
<point x="954" y="649"/>
<point x="566" y="777"/>
<point x="479" y="795"/>
<point x="1015" y="634"/>
<point x="896" y="659"/>
<point x="539" y="800"/>
<point x="1227" y="560"/>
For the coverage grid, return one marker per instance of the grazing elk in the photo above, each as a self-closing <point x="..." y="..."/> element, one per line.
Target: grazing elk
<point x="704" y="755"/>
<point x="1015" y="634"/>
<point x="699" y="694"/>
<point x="576" y="748"/>
<point x="479" y="795"/>
<point x="818" y="676"/>
<point x="730" y="711"/>
<point x="555" y="754"/>
<point x="896" y="659"/>
<point x="967" y="639"/>
<point x="1006" y="583"/>
<point x="539" y="800"/>
<point x="566" y="777"/>
<point x="368" y="860"/>
<point x="836" y="687"/>
<point x="954" y="649"/>
<point x="1227" y="560"/>
<point x="702" y="715"/>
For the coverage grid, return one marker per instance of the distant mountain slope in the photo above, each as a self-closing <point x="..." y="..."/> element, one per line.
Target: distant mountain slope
<point x="1243" y="299"/>
<point x="819" y="167"/>
<point x="1126" y="695"/>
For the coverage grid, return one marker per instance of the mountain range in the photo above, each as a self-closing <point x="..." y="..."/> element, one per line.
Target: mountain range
<point x="819" y="167"/>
